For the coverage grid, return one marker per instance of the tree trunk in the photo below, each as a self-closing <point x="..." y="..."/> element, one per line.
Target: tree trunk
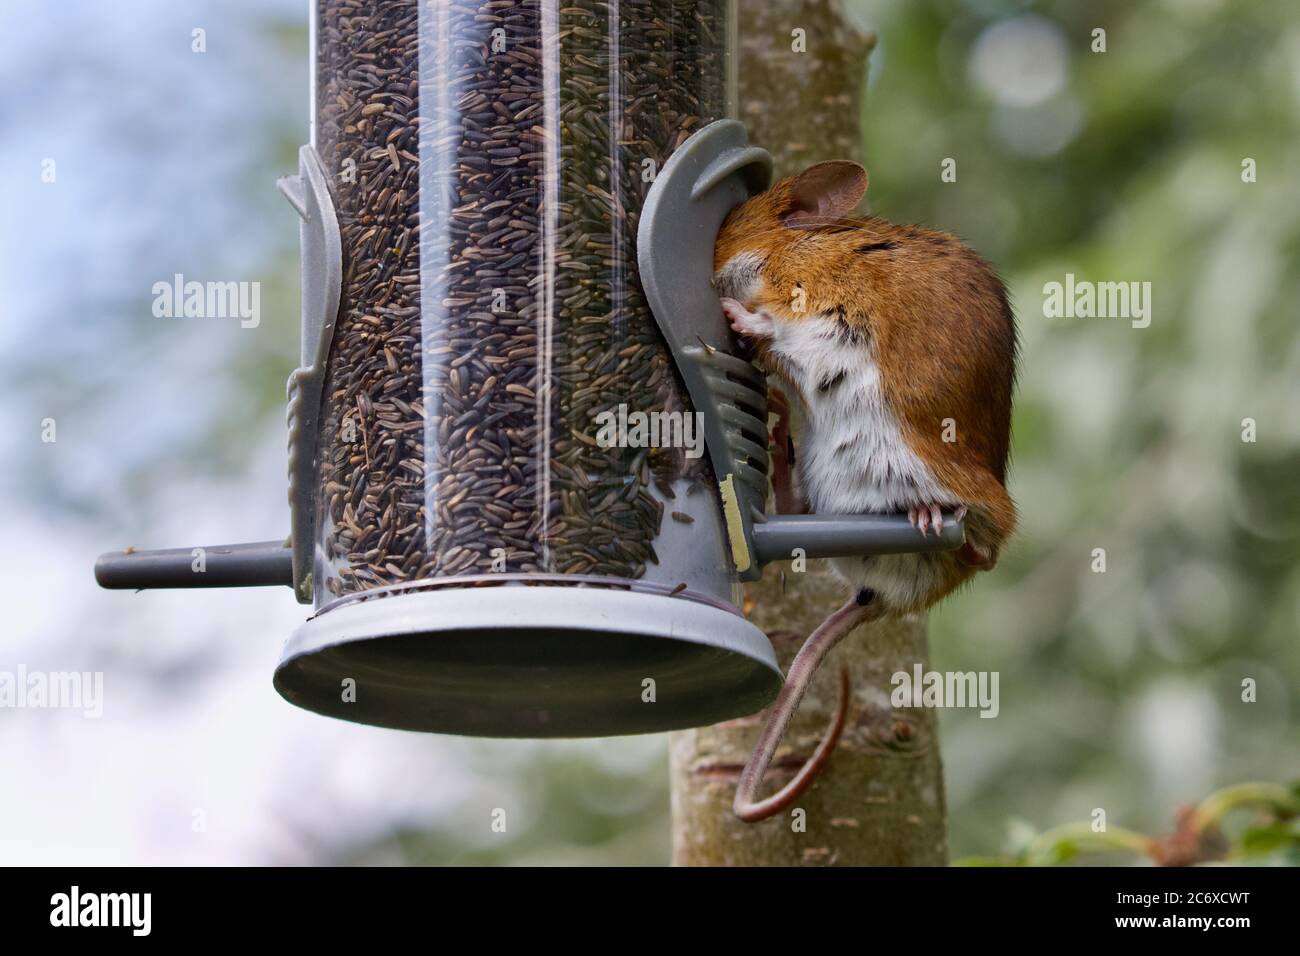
<point x="880" y="800"/>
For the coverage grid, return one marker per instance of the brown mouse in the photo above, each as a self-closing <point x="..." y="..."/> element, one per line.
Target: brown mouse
<point x="900" y="344"/>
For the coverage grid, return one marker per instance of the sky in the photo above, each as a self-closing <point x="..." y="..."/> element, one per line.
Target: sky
<point x="195" y="759"/>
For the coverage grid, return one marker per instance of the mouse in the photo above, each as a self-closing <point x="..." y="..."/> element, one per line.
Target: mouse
<point x="898" y="343"/>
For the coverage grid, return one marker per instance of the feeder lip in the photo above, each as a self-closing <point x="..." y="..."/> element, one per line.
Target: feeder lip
<point x="528" y="661"/>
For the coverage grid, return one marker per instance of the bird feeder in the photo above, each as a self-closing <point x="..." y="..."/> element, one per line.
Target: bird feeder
<point x="527" y="461"/>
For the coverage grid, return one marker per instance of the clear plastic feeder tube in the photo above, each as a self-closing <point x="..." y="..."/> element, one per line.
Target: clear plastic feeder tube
<point x="498" y="396"/>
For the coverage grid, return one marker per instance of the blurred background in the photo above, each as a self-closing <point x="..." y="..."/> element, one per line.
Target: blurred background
<point x="1119" y="689"/>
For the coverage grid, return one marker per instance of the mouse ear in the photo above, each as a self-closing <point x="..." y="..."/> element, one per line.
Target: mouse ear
<point x="825" y="191"/>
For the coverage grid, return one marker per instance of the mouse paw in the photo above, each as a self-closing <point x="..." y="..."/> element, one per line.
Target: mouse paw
<point x="923" y="517"/>
<point x="754" y="325"/>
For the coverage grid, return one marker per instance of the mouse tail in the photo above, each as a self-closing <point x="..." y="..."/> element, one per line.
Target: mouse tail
<point x="860" y="609"/>
<point x="751" y="810"/>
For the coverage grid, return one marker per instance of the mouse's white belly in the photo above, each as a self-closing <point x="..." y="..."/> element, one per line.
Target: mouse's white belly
<point x="852" y="454"/>
<point x="859" y="471"/>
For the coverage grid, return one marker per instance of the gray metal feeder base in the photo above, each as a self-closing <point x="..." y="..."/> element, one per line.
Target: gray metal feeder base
<point x="517" y="661"/>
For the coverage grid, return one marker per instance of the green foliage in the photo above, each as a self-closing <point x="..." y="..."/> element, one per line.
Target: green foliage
<point x="575" y="803"/>
<point x="1270" y="837"/>
<point x="1121" y="690"/>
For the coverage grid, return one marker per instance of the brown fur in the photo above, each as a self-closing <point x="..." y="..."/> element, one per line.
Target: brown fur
<point x="938" y="317"/>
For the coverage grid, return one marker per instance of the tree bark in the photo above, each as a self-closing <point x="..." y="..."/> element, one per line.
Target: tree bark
<point x="880" y="800"/>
